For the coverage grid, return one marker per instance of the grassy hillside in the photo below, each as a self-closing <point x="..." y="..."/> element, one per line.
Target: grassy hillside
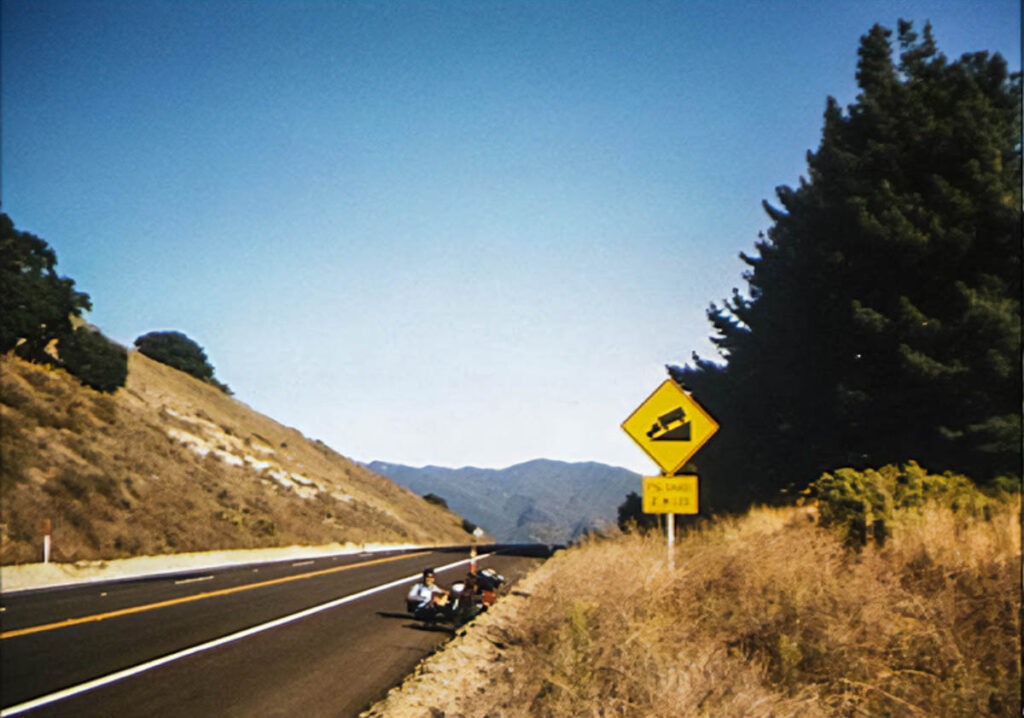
<point x="170" y="464"/>
<point x="765" y="615"/>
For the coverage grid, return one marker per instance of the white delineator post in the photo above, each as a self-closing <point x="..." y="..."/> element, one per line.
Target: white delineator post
<point x="47" y="527"/>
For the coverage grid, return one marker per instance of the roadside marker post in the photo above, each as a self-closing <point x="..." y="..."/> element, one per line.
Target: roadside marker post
<point x="670" y="426"/>
<point x="47" y="530"/>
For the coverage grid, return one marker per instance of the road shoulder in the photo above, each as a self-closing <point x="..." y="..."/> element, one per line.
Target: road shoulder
<point x="467" y="668"/>
<point x="23" y="577"/>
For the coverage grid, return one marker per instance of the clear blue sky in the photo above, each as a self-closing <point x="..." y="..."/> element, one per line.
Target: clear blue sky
<point x="459" y="233"/>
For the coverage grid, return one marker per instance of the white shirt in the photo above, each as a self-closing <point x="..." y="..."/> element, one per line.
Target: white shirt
<point x="423" y="593"/>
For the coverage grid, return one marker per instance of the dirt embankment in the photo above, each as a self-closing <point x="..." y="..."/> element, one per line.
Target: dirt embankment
<point x="169" y="464"/>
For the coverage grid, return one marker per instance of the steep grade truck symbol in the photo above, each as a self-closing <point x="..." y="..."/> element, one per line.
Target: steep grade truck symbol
<point x="670" y="427"/>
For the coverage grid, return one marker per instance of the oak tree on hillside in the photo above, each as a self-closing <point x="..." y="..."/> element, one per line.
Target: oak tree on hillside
<point x="882" y="322"/>
<point x="94" y="359"/>
<point x="36" y="305"/>
<point x="178" y="351"/>
<point x="38" y="310"/>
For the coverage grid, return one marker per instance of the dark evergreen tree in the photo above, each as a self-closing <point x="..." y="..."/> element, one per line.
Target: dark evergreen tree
<point x="36" y="306"/>
<point x="631" y="514"/>
<point x="883" y="317"/>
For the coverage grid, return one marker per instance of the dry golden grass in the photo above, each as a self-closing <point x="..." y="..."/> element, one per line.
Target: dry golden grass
<point x="123" y="475"/>
<point x="765" y="615"/>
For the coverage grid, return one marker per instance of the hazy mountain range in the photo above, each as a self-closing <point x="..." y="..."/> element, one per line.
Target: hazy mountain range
<point x="540" y="500"/>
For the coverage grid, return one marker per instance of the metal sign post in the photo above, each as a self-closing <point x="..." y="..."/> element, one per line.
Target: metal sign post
<point x="671" y="495"/>
<point x="671" y="542"/>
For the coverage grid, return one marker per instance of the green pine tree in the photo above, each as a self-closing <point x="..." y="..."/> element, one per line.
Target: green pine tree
<point x="883" y="316"/>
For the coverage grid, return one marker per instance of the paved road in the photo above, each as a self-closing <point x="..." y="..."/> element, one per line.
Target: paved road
<point x="226" y="643"/>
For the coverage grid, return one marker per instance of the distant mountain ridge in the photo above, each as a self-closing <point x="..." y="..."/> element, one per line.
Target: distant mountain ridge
<point x="540" y="500"/>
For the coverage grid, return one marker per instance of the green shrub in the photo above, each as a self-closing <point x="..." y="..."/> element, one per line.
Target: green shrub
<point x="436" y="500"/>
<point x="222" y="386"/>
<point x="1002" y="486"/>
<point x="94" y="359"/>
<point x="862" y="503"/>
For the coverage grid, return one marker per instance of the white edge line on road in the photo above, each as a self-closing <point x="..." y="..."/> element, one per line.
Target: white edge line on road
<point x="245" y="633"/>
<point x="184" y="581"/>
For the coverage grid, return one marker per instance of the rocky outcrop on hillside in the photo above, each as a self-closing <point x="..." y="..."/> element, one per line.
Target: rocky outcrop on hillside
<point x="170" y="464"/>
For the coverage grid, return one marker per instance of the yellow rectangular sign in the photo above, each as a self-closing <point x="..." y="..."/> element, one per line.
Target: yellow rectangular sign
<point x="671" y="494"/>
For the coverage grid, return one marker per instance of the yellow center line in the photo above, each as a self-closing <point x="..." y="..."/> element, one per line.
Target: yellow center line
<point x="187" y="599"/>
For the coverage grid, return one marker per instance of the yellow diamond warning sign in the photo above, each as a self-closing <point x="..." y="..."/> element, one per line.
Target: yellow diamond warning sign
<point x="671" y="494"/>
<point x="670" y="426"/>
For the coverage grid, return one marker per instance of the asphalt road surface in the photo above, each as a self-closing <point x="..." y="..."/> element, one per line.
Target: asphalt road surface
<point x="320" y="637"/>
